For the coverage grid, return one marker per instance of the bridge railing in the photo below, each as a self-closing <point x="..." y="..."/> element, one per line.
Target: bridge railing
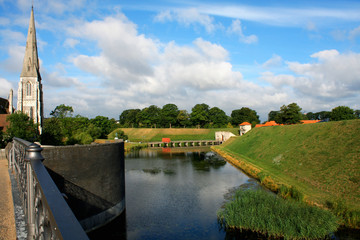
<point x="47" y="214"/>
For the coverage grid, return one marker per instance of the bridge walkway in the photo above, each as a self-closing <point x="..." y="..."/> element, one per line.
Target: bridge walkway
<point x="7" y="217"/>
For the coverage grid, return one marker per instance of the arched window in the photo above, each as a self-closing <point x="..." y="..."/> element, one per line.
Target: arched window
<point x="28" y="89"/>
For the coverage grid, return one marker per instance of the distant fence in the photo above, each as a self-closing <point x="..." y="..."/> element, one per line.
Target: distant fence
<point x="47" y="213"/>
<point x="189" y="143"/>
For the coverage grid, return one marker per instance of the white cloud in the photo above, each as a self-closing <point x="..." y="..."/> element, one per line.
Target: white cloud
<point x="5" y="88"/>
<point x="237" y="29"/>
<point x="275" y="61"/>
<point x="187" y="17"/>
<point x="71" y="42"/>
<point x="15" y="59"/>
<point x="354" y="33"/>
<point x="332" y="77"/>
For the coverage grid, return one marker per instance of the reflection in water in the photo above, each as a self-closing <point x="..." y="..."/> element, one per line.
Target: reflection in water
<point x="176" y="195"/>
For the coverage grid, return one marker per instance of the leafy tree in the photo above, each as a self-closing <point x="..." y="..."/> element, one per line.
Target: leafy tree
<point x="183" y="118"/>
<point x="128" y="118"/>
<point x="200" y="115"/>
<point x="149" y="116"/>
<point x="311" y="116"/>
<point x="244" y="115"/>
<point x="62" y="111"/>
<point x="290" y="114"/>
<point x="357" y="113"/>
<point x="273" y="115"/>
<point x="105" y="125"/>
<point x="21" y="126"/>
<point x="323" y="115"/>
<point x="169" y="113"/>
<point x="342" y="113"/>
<point x="217" y="117"/>
<point x="52" y="132"/>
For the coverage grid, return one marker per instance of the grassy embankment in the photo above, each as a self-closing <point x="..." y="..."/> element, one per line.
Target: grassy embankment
<point x="175" y="134"/>
<point x="318" y="161"/>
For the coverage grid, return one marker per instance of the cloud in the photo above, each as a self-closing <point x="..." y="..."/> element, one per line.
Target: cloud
<point x="5" y="88"/>
<point x="70" y="42"/>
<point x="237" y="29"/>
<point x="353" y="34"/>
<point x="285" y="16"/>
<point x="13" y="63"/>
<point x="187" y="17"/>
<point x="275" y="61"/>
<point x="334" y="76"/>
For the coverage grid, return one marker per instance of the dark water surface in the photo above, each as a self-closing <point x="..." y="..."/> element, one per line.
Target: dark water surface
<point x="176" y="195"/>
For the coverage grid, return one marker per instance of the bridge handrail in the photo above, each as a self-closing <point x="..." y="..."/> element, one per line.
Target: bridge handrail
<point x="47" y="213"/>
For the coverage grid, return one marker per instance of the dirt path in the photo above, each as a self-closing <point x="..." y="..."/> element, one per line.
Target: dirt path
<point x="7" y="218"/>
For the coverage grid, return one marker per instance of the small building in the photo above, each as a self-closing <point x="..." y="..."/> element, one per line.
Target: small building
<point x="223" y="136"/>
<point x="6" y="108"/>
<point x="244" y="128"/>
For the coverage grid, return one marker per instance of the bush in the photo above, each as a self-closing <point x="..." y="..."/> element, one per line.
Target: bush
<point x="270" y="215"/>
<point x="119" y="133"/>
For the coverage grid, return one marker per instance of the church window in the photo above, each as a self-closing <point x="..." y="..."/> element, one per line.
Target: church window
<point x="28" y="89"/>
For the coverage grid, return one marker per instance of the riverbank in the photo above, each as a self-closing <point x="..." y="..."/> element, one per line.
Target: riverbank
<point x="318" y="163"/>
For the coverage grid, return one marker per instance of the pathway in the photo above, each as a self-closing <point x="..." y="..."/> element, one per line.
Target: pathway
<point x="7" y="218"/>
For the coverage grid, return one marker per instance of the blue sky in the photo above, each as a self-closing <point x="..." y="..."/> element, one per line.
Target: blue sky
<point x="103" y="57"/>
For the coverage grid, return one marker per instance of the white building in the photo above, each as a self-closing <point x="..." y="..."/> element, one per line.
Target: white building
<point x="244" y="128"/>
<point x="223" y="136"/>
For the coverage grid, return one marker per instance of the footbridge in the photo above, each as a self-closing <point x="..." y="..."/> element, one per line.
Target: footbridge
<point x="185" y="143"/>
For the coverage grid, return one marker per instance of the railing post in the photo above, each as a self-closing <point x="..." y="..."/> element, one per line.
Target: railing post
<point x="33" y="152"/>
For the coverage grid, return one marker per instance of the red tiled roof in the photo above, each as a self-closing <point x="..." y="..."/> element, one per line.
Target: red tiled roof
<point x="309" y="121"/>
<point x="245" y="123"/>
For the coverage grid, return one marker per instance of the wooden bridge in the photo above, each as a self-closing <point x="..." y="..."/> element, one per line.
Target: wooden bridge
<point x="187" y="143"/>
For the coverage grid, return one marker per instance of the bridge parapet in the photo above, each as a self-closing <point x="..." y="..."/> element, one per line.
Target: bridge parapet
<point x="47" y="213"/>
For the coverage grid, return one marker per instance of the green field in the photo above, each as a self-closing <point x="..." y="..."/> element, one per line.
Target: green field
<point x="320" y="160"/>
<point x="175" y="134"/>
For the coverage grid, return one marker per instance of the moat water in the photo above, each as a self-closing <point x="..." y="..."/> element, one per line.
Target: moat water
<point x="175" y="194"/>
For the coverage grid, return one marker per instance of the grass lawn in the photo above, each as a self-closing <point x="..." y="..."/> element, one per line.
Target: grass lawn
<point x="321" y="160"/>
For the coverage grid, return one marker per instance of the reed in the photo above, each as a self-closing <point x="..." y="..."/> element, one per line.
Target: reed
<point x="272" y="216"/>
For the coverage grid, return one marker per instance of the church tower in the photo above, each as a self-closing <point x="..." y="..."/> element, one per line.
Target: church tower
<point x="30" y="95"/>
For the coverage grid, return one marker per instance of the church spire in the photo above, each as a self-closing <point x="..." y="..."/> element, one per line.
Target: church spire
<point x="31" y="66"/>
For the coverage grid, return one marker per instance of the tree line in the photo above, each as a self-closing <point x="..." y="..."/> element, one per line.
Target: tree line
<point x="201" y="116"/>
<point x="62" y="128"/>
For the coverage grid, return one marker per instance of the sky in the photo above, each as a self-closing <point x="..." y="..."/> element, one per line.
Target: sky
<point x="103" y="57"/>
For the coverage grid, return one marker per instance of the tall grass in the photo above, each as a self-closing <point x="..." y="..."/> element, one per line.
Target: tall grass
<point x="270" y="215"/>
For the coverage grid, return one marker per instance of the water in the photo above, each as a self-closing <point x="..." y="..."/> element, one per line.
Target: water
<point x="176" y="195"/>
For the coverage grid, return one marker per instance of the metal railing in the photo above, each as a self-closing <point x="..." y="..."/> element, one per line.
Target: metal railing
<point x="47" y="214"/>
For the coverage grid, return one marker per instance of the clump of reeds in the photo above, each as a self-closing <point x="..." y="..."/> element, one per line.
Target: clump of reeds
<point x="270" y="215"/>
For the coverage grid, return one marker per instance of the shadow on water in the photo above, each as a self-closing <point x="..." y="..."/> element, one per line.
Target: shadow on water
<point x="116" y="229"/>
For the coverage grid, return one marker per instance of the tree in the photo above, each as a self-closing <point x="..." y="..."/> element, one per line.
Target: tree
<point x="149" y="116"/>
<point x="290" y="114"/>
<point x="273" y="115"/>
<point x="342" y="113"/>
<point x="323" y="115"/>
<point x="62" y="111"/>
<point x="183" y="118"/>
<point x="357" y="113"/>
<point x="52" y="132"/>
<point x="21" y="126"/>
<point x="128" y="118"/>
<point x="105" y="125"/>
<point x="169" y="113"/>
<point x="217" y="117"/>
<point x="244" y="115"/>
<point x="310" y="116"/>
<point x="200" y="115"/>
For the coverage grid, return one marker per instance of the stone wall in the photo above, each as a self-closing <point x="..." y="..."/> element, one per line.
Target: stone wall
<point x="92" y="177"/>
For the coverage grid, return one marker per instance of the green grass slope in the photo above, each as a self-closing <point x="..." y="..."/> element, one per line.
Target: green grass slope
<point x="321" y="160"/>
<point x="175" y="134"/>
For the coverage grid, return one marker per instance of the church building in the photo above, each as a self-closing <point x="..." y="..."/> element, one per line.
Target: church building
<point x="30" y="95"/>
